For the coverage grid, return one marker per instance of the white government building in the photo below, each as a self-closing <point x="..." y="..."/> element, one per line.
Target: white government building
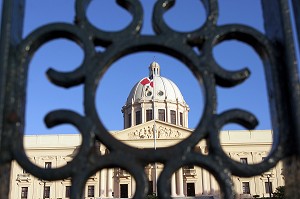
<point x="171" y="113"/>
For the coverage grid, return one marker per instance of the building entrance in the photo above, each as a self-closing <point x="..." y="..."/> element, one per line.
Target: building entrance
<point x="124" y="190"/>
<point x="150" y="191"/>
<point x="190" y="189"/>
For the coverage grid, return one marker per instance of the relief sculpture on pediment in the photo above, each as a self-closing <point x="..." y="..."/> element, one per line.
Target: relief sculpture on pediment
<point x="165" y="132"/>
<point x="147" y="133"/>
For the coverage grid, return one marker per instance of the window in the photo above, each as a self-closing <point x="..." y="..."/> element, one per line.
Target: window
<point x="181" y="119"/>
<point x="268" y="187"/>
<point x="68" y="191"/>
<point x="173" y="117"/>
<point x="137" y="117"/>
<point x="91" y="191"/>
<point x="148" y="115"/>
<point x="48" y="165"/>
<point x="161" y="115"/>
<point x="244" y="160"/>
<point x="189" y="167"/>
<point x="246" y="187"/>
<point x="24" y="192"/>
<point x="46" y="192"/>
<point x="24" y="171"/>
<point x="129" y="120"/>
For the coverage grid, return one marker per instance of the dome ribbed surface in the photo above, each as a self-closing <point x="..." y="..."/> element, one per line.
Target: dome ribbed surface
<point x="165" y="89"/>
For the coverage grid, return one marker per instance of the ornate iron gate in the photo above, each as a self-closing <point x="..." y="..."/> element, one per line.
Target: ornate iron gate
<point x="275" y="48"/>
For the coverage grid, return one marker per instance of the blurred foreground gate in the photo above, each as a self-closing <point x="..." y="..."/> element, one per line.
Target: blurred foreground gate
<point x="275" y="48"/>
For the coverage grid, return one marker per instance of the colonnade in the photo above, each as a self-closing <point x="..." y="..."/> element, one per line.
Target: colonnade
<point x="110" y="183"/>
<point x="177" y="184"/>
<point x="106" y="183"/>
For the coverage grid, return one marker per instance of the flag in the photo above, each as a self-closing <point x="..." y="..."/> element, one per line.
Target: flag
<point x="147" y="81"/>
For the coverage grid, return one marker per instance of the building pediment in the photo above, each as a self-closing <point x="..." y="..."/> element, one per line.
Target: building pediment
<point x="145" y="131"/>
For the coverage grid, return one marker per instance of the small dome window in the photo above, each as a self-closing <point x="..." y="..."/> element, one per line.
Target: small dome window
<point x="149" y="93"/>
<point x="160" y="93"/>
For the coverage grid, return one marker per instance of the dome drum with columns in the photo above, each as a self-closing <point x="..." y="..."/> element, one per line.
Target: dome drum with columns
<point x="155" y="97"/>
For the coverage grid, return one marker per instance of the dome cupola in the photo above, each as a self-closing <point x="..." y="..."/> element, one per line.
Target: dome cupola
<point x="156" y="92"/>
<point x="154" y="69"/>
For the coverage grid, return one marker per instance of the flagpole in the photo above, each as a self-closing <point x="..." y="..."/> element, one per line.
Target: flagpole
<point x="154" y="125"/>
<point x="154" y="113"/>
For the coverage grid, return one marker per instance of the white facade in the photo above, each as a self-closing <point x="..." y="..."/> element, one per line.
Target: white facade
<point x="60" y="149"/>
<point x="56" y="150"/>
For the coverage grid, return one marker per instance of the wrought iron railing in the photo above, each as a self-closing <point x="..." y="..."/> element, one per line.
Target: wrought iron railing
<point x="275" y="48"/>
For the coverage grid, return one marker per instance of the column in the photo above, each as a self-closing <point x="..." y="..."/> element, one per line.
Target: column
<point x="132" y="116"/>
<point x="154" y="177"/>
<point x="132" y="186"/>
<point x="185" y="118"/>
<point x="206" y="183"/>
<point x="102" y="183"/>
<point x="109" y="183"/>
<point x="213" y="186"/>
<point x="177" y="112"/>
<point x="167" y="112"/>
<point x="180" y="182"/>
<point x="143" y="113"/>
<point x="173" y="186"/>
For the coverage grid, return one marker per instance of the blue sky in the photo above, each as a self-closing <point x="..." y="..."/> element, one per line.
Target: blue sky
<point x="114" y="87"/>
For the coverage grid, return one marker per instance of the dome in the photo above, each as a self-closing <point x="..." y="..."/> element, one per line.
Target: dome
<point x="155" y="98"/>
<point x="164" y="90"/>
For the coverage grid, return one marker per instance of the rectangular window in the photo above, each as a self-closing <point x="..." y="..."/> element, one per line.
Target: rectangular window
<point x="24" y="192"/>
<point x="68" y="191"/>
<point x="161" y="115"/>
<point x="137" y="117"/>
<point x="244" y="160"/>
<point x="148" y="115"/>
<point x="46" y="192"/>
<point x="181" y="119"/>
<point x="268" y="187"/>
<point x="91" y="191"/>
<point x="48" y="165"/>
<point x="129" y="120"/>
<point x="189" y="167"/>
<point x="246" y="187"/>
<point x="173" y="117"/>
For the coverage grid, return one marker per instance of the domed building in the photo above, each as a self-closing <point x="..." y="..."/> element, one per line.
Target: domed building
<point x="155" y="115"/>
<point x="154" y="102"/>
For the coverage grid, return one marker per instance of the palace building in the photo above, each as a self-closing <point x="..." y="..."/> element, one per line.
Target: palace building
<point x="161" y="107"/>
